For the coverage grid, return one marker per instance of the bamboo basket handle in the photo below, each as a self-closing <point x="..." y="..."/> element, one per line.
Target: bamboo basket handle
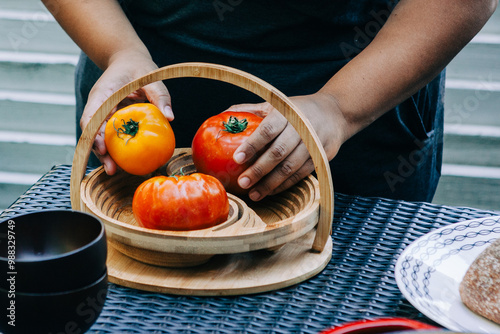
<point x="238" y="78"/>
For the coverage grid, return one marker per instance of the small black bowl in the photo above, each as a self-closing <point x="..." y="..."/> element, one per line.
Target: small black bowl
<point x="73" y="311"/>
<point x="51" y="251"/>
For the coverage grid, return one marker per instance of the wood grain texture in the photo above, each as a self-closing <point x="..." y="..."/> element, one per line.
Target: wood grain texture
<point x="250" y="225"/>
<point x="267" y="245"/>
<point x="225" y="275"/>
<point x="238" y="78"/>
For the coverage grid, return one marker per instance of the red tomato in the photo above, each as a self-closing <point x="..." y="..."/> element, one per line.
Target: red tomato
<point x="139" y="138"/>
<point x="179" y="203"/>
<point x="215" y="142"/>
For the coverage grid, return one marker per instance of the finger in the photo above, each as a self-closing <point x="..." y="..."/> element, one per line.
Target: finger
<point x="278" y="151"/>
<point x="110" y="167"/>
<point x="97" y="96"/>
<point x="303" y="171"/>
<point x="100" y="151"/>
<point x="158" y="94"/>
<point x="287" y="173"/>
<point x="259" y="109"/>
<point x="138" y="95"/>
<point x="99" y="143"/>
<point x="270" y="128"/>
<point x="90" y="108"/>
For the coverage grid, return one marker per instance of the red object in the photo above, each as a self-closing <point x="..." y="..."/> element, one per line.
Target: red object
<point x="378" y="326"/>
<point x="215" y="142"/>
<point x="180" y="203"/>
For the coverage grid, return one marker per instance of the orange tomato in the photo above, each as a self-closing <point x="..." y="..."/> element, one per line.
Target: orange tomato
<point x="139" y="138"/>
<point x="187" y="202"/>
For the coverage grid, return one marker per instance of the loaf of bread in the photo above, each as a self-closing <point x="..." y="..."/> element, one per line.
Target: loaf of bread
<point x="480" y="287"/>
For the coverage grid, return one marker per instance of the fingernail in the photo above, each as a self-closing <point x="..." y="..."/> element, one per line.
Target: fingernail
<point x="244" y="182"/>
<point x="167" y="111"/>
<point x="254" y="195"/>
<point x="105" y="168"/>
<point x="239" y="157"/>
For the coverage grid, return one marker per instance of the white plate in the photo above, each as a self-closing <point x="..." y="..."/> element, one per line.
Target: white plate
<point x="429" y="271"/>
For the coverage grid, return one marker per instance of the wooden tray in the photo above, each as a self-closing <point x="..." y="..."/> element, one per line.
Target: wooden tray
<point x="225" y="274"/>
<point x="250" y="226"/>
<point x="279" y="220"/>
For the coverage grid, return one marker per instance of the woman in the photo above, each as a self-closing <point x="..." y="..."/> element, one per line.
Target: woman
<point x="369" y="75"/>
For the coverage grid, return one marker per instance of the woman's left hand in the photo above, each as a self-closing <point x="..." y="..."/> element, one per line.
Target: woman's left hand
<point x="286" y="159"/>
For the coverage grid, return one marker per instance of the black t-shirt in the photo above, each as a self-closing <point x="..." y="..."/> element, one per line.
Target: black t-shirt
<point x="296" y="46"/>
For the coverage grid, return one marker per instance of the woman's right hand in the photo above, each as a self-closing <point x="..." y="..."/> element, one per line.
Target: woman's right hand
<point x="102" y="30"/>
<point x="124" y="67"/>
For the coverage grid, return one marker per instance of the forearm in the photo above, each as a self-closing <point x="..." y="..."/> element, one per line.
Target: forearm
<point x="98" y="27"/>
<point x="418" y="40"/>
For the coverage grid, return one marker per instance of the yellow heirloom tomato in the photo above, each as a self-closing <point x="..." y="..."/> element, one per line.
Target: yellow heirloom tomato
<point x="139" y="138"/>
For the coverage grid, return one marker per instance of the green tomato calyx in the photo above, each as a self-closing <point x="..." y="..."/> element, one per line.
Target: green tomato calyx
<point x="234" y="125"/>
<point x="128" y="128"/>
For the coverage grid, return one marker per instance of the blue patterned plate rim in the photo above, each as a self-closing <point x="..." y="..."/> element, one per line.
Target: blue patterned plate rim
<point x="429" y="271"/>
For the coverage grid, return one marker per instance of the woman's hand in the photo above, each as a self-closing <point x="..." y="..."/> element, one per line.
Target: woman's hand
<point x="94" y="26"/>
<point x="412" y="47"/>
<point x="286" y="160"/>
<point x="123" y="68"/>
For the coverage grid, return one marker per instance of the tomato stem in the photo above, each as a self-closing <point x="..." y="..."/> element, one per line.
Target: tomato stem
<point x="128" y="128"/>
<point x="233" y="125"/>
<point x="180" y="172"/>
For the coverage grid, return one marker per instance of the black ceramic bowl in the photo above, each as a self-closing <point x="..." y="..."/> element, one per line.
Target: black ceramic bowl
<point x="73" y="311"/>
<point x="51" y="251"/>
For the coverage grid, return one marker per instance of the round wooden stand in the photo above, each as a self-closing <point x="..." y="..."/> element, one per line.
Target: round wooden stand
<point x="227" y="274"/>
<point x="271" y="244"/>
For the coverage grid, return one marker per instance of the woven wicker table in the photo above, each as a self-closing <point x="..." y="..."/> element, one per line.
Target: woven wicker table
<point x="368" y="235"/>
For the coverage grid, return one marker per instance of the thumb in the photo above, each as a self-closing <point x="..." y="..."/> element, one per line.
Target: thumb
<point x="157" y="93"/>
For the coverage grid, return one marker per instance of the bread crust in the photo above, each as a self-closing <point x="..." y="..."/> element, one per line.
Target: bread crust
<point x="480" y="287"/>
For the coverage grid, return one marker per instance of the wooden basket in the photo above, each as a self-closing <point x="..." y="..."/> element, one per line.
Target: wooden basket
<point x="300" y="215"/>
